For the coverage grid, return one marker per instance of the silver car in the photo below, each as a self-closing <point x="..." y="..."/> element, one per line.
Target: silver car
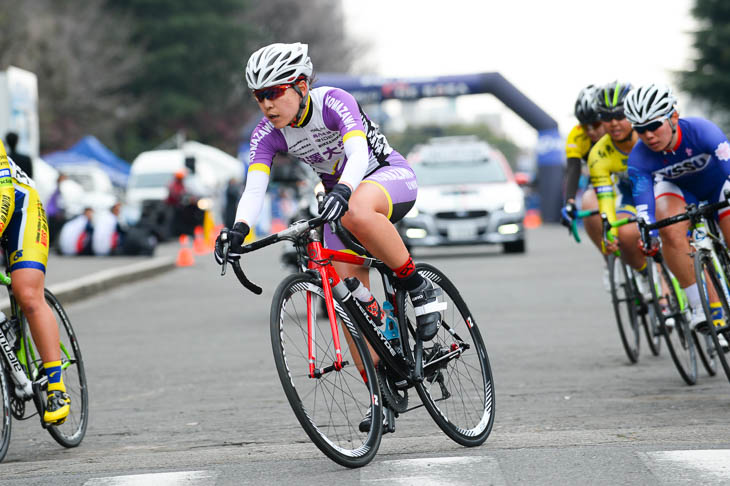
<point x="467" y="194"/>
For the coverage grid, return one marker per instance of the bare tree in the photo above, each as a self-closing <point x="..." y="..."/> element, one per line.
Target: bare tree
<point x="319" y="23"/>
<point x="83" y="58"/>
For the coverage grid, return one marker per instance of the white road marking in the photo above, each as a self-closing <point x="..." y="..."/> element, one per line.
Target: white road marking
<point x="433" y="471"/>
<point x="187" y="478"/>
<point x="706" y="467"/>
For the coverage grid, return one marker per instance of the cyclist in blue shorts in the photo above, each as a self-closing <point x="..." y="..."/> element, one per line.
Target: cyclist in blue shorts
<point x="676" y="162"/>
<point x="23" y="225"/>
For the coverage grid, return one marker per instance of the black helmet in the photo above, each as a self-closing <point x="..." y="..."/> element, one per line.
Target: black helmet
<point x="585" y="105"/>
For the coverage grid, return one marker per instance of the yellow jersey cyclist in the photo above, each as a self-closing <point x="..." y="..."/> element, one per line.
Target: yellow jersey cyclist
<point x="577" y="146"/>
<point x="23" y="224"/>
<point x="608" y="170"/>
<point x="677" y="161"/>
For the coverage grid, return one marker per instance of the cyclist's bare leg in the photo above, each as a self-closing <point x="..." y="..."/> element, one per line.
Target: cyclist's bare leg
<point x="592" y="224"/>
<point x="28" y="285"/>
<point x="367" y="220"/>
<point x="345" y="270"/>
<point x="675" y="244"/>
<point x="628" y="237"/>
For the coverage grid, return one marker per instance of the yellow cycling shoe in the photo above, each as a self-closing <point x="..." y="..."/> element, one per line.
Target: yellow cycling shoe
<point x="57" y="407"/>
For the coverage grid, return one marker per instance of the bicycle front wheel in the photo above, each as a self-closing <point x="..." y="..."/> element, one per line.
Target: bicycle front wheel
<point x="623" y="297"/>
<point x="5" y="418"/>
<point x="71" y="432"/>
<point x="704" y="266"/>
<point x="331" y="406"/>
<point x="457" y="389"/>
<point x="674" y="324"/>
<point x="650" y="320"/>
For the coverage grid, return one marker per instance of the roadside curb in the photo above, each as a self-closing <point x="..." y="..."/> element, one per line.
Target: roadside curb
<point x="92" y="284"/>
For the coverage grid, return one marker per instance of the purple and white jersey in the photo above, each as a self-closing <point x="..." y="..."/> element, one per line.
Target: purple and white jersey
<point x="335" y="137"/>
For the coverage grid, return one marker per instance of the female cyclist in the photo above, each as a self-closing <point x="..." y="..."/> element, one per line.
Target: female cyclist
<point x="23" y="224"/>
<point x="369" y="185"/>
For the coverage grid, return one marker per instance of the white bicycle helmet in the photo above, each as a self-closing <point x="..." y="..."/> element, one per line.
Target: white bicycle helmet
<point x="585" y="105"/>
<point x="648" y="102"/>
<point x="278" y="64"/>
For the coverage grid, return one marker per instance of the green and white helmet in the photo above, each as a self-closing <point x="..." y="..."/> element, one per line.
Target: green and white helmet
<point x="610" y="97"/>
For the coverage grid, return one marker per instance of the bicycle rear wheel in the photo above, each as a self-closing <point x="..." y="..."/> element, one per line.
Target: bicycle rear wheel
<point x="71" y="432"/>
<point x="678" y="337"/>
<point x="623" y="297"/>
<point x="704" y="266"/>
<point x="329" y="408"/>
<point x="458" y="391"/>
<point x="5" y="418"/>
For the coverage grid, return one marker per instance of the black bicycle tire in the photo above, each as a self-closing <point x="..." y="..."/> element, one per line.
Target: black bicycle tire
<point x="632" y="352"/>
<point x="708" y="362"/>
<point x="703" y="261"/>
<point x="654" y="346"/>
<point x="458" y="434"/>
<point x="6" y="420"/>
<point x="57" y="432"/>
<point x="689" y="376"/>
<point x="366" y="452"/>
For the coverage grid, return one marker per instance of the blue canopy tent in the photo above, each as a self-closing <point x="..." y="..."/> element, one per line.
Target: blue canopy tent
<point x="90" y="151"/>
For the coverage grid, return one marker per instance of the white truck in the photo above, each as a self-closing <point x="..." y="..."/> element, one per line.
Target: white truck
<point x="152" y="172"/>
<point x="19" y="108"/>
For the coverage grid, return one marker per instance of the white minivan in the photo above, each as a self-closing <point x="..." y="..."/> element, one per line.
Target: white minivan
<point x="152" y="172"/>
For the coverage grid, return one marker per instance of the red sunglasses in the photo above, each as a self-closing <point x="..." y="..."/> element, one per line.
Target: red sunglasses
<point x="272" y="92"/>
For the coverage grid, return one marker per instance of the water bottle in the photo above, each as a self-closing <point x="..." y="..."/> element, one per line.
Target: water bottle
<point x="7" y="327"/>
<point x="391" y="331"/>
<point x="361" y="293"/>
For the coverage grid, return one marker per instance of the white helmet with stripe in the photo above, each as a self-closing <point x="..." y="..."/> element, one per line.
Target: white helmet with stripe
<point x="648" y="102"/>
<point x="278" y="64"/>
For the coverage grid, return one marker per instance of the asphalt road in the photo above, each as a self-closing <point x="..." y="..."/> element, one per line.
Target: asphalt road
<point x="183" y="388"/>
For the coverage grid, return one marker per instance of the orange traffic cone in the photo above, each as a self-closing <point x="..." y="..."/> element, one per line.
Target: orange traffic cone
<point x="185" y="255"/>
<point x="199" y="246"/>
<point x="532" y="219"/>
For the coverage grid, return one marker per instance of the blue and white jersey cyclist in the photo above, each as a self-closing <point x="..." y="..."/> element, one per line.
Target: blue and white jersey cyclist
<point x="676" y="162"/>
<point x="369" y="185"/>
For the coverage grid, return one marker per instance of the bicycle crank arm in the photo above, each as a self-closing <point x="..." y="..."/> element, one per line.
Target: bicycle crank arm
<point x="38" y="401"/>
<point x="455" y="353"/>
<point x="417" y="376"/>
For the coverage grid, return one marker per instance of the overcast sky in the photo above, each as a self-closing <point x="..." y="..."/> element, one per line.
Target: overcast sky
<point x="548" y="50"/>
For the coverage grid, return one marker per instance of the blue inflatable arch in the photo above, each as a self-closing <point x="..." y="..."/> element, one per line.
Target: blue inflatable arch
<point x="550" y="146"/>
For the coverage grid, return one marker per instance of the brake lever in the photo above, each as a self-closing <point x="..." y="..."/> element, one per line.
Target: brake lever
<point x="226" y="247"/>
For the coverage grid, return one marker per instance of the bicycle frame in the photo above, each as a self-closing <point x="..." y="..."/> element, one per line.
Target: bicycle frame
<point x="320" y="260"/>
<point x="704" y="237"/>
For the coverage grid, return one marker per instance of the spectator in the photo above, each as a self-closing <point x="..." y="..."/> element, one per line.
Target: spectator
<point x="56" y="211"/>
<point x="77" y="234"/>
<point x="21" y="160"/>
<point x="108" y="234"/>
<point x="176" y="202"/>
